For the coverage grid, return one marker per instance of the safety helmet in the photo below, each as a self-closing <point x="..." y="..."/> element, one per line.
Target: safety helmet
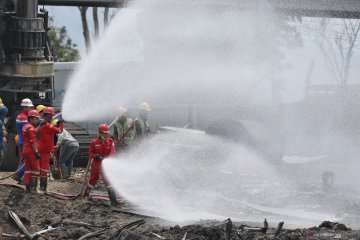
<point x="1" y="103"/>
<point x="33" y="113"/>
<point x="120" y="111"/>
<point x="104" y="128"/>
<point x="26" y="102"/>
<point x="144" y="106"/>
<point x="49" y="110"/>
<point x="40" y="108"/>
<point x="54" y="122"/>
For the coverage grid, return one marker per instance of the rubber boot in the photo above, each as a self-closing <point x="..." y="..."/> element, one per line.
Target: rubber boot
<point x="112" y="197"/>
<point x="28" y="188"/>
<point x="18" y="179"/>
<point x="34" y="184"/>
<point x="64" y="172"/>
<point x="43" y="184"/>
<point x="69" y="171"/>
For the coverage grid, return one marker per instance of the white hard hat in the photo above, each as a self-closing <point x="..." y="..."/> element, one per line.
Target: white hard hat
<point x="26" y="103"/>
<point x="144" y="106"/>
<point x="120" y="111"/>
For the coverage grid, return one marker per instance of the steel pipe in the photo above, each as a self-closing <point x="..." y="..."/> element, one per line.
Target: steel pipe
<point x="27" y="8"/>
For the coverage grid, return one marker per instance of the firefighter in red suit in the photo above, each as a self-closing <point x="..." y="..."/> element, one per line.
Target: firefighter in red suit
<point x="30" y="152"/>
<point x="100" y="148"/>
<point x="46" y="144"/>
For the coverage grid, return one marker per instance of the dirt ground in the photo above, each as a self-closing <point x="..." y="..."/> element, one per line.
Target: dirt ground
<point x="77" y="218"/>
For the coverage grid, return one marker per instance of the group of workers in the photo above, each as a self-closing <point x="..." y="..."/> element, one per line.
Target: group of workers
<point x="40" y="137"/>
<point x="36" y="140"/>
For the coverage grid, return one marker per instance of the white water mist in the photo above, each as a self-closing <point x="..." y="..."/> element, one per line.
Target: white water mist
<point x="167" y="54"/>
<point x="188" y="176"/>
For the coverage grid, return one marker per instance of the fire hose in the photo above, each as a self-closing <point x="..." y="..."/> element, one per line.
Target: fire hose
<point x="63" y="196"/>
<point x="12" y="174"/>
<point x="74" y="196"/>
<point x="124" y="134"/>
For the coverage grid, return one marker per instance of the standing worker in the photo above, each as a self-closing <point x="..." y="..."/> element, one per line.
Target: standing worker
<point x="21" y="120"/>
<point x="3" y="113"/>
<point x="46" y="144"/>
<point x="30" y="152"/>
<point x="67" y="146"/>
<point x="40" y="110"/>
<point x="100" y="148"/>
<point x="122" y="124"/>
<point x="142" y="128"/>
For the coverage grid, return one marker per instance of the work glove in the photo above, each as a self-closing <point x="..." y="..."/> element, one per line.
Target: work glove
<point x="60" y="121"/>
<point x="99" y="158"/>
<point x="37" y="154"/>
<point x="42" y="122"/>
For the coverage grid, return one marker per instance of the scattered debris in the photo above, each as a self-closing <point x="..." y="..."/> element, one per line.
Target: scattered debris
<point x="333" y="225"/>
<point x="157" y="235"/>
<point x="228" y="229"/>
<point x="184" y="237"/>
<point x="255" y="229"/>
<point x="117" y="234"/>
<point x="95" y="220"/>
<point x="93" y="234"/>
<point x="279" y="228"/>
<point x="12" y="236"/>
<point x="131" y="213"/>
<point x="67" y="222"/>
<point x="23" y="229"/>
<point x="19" y="224"/>
<point x="266" y="226"/>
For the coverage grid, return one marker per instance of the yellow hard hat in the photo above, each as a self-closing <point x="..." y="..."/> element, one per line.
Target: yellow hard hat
<point x="1" y="103"/>
<point x="40" y="108"/>
<point x="120" y="111"/>
<point x="144" y="106"/>
<point x="54" y="122"/>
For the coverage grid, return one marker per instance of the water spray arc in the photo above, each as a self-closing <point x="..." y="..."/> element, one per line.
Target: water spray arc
<point x="197" y="56"/>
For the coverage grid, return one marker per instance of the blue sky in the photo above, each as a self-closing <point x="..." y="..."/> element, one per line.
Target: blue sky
<point x="70" y="17"/>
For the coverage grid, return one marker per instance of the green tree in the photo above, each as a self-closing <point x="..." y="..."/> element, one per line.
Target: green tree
<point x="64" y="50"/>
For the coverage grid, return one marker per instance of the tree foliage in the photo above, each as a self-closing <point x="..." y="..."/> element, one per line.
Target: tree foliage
<point x="338" y="46"/>
<point x="107" y="17"/>
<point x="64" y="50"/>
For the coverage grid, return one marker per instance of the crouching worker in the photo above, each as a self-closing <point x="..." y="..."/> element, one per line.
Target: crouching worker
<point x="100" y="148"/>
<point x="30" y="152"/>
<point x="68" y="147"/>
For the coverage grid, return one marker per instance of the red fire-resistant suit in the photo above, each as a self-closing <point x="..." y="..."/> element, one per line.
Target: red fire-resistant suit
<point x="46" y="146"/>
<point x="103" y="149"/>
<point x="32" y="167"/>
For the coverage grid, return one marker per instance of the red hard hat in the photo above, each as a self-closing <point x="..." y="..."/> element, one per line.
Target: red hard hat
<point x="33" y="113"/>
<point x="104" y="128"/>
<point x="49" y="110"/>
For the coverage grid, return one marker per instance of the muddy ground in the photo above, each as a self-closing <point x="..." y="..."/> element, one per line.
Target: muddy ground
<point x="74" y="219"/>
